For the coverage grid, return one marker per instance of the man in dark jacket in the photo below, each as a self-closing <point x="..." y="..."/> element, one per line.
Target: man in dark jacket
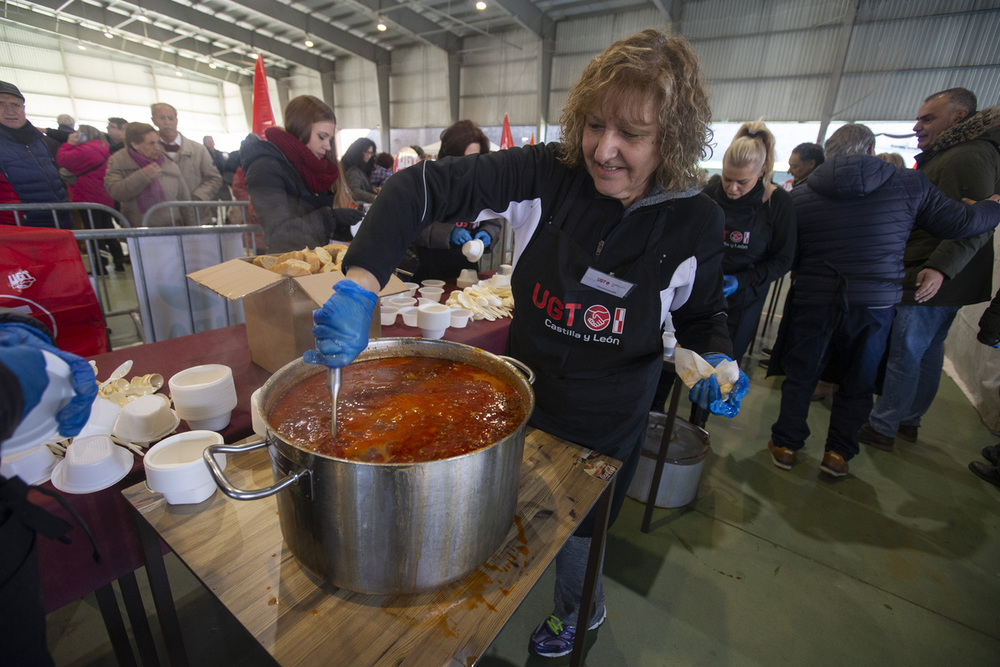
<point x="28" y="172"/>
<point x="960" y="156"/>
<point x="854" y="214"/>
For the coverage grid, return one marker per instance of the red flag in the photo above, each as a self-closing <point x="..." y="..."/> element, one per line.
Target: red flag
<point x="263" y="116"/>
<point x="506" y="140"/>
<point x="532" y="138"/>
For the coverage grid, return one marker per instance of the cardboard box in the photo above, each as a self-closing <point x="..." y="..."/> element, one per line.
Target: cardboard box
<point x="278" y="309"/>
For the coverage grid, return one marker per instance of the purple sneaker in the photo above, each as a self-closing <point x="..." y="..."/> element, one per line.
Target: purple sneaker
<point x="553" y="639"/>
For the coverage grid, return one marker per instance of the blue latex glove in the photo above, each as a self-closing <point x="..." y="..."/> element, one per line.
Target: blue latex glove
<point x="707" y="395"/>
<point x="484" y="236"/>
<point x="460" y="236"/>
<point x="729" y="285"/>
<point x="342" y="324"/>
<point x="21" y="350"/>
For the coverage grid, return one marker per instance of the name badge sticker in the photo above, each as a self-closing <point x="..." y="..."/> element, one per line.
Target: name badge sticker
<point x="607" y="284"/>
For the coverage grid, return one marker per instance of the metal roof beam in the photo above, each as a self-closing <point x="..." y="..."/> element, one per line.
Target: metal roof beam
<point x="531" y="17"/>
<point x="413" y="22"/>
<point x="196" y="22"/>
<point x="96" y="37"/>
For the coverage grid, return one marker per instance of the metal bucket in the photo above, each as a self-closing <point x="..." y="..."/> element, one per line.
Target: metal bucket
<point x="689" y="445"/>
<point x="392" y="528"/>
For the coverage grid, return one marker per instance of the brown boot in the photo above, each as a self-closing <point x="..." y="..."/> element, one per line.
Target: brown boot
<point x="833" y="464"/>
<point x="782" y="457"/>
<point x="870" y="436"/>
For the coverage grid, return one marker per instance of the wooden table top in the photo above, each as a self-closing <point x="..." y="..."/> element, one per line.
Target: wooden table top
<point x="236" y="549"/>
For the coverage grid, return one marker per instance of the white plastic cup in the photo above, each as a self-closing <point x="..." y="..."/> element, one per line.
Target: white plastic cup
<point x="467" y="278"/>
<point x="433" y="319"/>
<point x="473" y="249"/>
<point x="175" y="467"/>
<point x="460" y="318"/>
<point x="432" y="282"/>
<point x="400" y="301"/>
<point x="411" y="288"/>
<point x="409" y="316"/>
<point x="432" y="293"/>
<point x="388" y="315"/>
<point x="506" y="269"/>
<point x="145" y="419"/>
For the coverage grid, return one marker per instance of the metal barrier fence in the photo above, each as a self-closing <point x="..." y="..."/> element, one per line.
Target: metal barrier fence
<point x="161" y="257"/>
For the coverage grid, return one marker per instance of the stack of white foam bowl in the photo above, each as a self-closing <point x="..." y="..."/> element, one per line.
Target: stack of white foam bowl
<point x="92" y="463"/>
<point x="204" y="396"/>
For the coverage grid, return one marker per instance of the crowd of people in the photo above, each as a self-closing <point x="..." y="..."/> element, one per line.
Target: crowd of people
<point x="615" y="219"/>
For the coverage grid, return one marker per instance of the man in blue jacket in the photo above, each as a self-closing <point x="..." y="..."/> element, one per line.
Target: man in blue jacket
<point x="855" y="213"/>
<point x="961" y="157"/>
<point x="28" y="173"/>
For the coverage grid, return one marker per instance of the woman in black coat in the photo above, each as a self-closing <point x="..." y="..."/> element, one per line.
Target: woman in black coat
<point x="289" y="176"/>
<point x="359" y="161"/>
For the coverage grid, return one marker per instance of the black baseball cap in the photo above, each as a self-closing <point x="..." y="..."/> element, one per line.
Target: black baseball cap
<point x="10" y="89"/>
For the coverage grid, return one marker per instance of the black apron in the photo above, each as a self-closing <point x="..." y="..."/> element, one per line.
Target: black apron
<point x="597" y="356"/>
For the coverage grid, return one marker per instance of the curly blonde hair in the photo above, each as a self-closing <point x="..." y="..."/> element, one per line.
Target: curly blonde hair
<point x="753" y="146"/>
<point x="649" y="65"/>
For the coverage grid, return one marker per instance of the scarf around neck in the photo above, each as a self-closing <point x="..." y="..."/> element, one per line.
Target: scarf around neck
<point x="152" y="193"/>
<point x="318" y="174"/>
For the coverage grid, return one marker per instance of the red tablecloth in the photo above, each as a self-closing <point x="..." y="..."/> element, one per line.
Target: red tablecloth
<point x="68" y="571"/>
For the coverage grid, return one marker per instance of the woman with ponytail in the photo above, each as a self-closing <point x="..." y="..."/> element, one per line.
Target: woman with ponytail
<point x="760" y="229"/>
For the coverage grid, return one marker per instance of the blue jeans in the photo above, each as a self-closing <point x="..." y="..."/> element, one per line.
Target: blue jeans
<point x="913" y="369"/>
<point x="858" y="336"/>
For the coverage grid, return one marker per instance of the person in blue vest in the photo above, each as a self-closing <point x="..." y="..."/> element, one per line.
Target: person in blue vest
<point x="612" y="233"/>
<point x="28" y="172"/>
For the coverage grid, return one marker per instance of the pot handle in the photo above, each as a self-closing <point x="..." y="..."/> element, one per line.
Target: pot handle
<point x="521" y="366"/>
<point x="245" y="494"/>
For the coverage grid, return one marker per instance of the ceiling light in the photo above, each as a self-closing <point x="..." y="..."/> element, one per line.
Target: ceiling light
<point x="480" y="5"/>
<point x="142" y="17"/>
<point x="381" y="25"/>
<point x="107" y="33"/>
<point x="80" y="46"/>
<point x="255" y="55"/>
<point x="212" y="65"/>
<point x="309" y="43"/>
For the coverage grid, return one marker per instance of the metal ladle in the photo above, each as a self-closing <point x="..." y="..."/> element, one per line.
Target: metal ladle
<point x="333" y="383"/>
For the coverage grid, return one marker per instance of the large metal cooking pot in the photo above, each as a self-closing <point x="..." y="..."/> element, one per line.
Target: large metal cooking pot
<point x="391" y="528"/>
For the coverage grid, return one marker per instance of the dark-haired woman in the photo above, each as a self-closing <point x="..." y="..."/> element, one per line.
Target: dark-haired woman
<point x="359" y="161"/>
<point x="439" y="247"/>
<point x="289" y="176"/>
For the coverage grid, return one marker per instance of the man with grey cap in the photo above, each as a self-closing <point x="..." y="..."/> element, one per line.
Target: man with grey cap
<point x="28" y="173"/>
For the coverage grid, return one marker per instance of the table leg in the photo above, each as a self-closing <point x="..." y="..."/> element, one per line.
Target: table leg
<point x="594" y="560"/>
<point x="162" y="597"/>
<point x="140" y="624"/>
<point x="661" y="456"/>
<point x="112" y="615"/>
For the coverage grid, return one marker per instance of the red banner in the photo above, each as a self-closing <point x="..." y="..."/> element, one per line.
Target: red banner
<point x="263" y="115"/>
<point x="506" y="140"/>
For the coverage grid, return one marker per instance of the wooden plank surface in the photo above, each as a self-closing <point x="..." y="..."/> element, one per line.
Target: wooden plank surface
<point x="236" y="549"/>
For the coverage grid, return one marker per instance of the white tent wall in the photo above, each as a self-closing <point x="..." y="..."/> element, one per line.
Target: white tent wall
<point x="56" y="77"/>
<point x="577" y="42"/>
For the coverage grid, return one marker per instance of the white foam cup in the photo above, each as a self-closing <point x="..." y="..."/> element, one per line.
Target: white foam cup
<point x="256" y="418"/>
<point x="506" y="269"/>
<point x="205" y="392"/>
<point x="433" y="319"/>
<point x="473" y="249"/>
<point x="467" y="278"/>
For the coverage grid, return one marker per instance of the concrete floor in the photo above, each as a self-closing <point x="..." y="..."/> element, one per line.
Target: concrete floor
<point x="896" y="563"/>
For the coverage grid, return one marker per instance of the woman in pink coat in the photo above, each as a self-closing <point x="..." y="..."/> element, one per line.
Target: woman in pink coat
<point x="85" y="154"/>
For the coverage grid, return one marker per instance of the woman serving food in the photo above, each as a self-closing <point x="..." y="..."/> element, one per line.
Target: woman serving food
<point x="611" y="234"/>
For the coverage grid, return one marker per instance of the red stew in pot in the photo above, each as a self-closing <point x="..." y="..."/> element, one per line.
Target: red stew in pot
<point x="400" y="410"/>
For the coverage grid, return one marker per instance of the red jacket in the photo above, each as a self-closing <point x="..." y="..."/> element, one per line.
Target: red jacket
<point x="88" y="161"/>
